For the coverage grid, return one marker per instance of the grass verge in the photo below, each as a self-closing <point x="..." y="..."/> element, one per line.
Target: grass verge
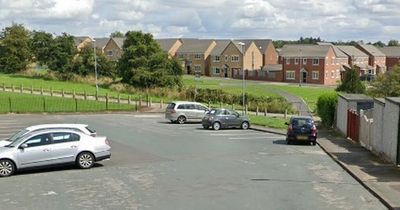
<point x="270" y="122"/>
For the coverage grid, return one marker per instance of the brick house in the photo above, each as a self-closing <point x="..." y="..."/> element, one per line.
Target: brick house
<point x="267" y="49"/>
<point x="252" y="58"/>
<point x="170" y="46"/>
<point x="376" y="58"/>
<point x="316" y="64"/>
<point x="218" y="65"/>
<point x="81" y="41"/>
<point x="113" y="49"/>
<point x="195" y="55"/>
<point x="392" y="56"/>
<point x="357" y="58"/>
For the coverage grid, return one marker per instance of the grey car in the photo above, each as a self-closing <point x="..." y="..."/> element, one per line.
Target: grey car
<point x="53" y="147"/>
<point x="225" y="118"/>
<point x="183" y="111"/>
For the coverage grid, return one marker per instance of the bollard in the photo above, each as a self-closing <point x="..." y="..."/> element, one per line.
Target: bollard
<point x="136" y="106"/>
<point x="161" y="103"/>
<point x="150" y="102"/>
<point x="257" y="111"/>
<point x="246" y="109"/>
<point x="119" y="99"/>
<point x="140" y="101"/>
<point x="265" y="111"/>
<point x="129" y="99"/>
<point x="76" y="105"/>
<point x="285" y="116"/>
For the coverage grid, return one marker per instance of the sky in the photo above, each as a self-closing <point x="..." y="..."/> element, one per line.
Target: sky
<point x="332" y="20"/>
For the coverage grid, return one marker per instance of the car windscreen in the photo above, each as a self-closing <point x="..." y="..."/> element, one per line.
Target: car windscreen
<point x="17" y="135"/>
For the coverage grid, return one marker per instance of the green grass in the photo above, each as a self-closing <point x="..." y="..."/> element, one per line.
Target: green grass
<point x="271" y="122"/>
<point x="26" y="103"/>
<point x="310" y="94"/>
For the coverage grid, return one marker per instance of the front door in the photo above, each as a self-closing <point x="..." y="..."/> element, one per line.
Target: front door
<point x="188" y="69"/>
<point x="37" y="153"/>
<point x="304" y="77"/>
<point x="226" y="72"/>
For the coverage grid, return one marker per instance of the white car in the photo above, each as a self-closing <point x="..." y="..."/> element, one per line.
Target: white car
<point x="78" y="127"/>
<point x="53" y="147"/>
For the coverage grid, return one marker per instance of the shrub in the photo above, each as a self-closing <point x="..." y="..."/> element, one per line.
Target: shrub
<point x="326" y="106"/>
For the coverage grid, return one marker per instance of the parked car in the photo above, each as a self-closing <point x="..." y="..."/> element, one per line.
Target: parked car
<point x="78" y="127"/>
<point x="183" y="111"/>
<point x="301" y="128"/>
<point x="53" y="147"/>
<point x="225" y="118"/>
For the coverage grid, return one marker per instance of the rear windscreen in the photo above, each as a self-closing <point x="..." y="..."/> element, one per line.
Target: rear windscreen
<point x="302" y="122"/>
<point x="171" y="106"/>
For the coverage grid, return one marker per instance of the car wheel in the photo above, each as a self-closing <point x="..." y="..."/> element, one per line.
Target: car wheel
<point x="245" y="125"/>
<point x="288" y="141"/>
<point x="85" y="160"/>
<point x="313" y="143"/>
<point x="181" y="119"/>
<point x="216" y="126"/>
<point x="7" y="168"/>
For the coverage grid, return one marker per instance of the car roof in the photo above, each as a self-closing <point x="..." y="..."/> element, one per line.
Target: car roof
<point x="185" y="102"/>
<point x="52" y="126"/>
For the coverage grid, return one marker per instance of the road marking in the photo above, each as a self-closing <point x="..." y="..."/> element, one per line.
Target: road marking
<point x="261" y="137"/>
<point x="240" y="134"/>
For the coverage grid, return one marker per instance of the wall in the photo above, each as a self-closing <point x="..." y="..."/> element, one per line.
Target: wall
<point x="392" y="61"/>
<point x="116" y="51"/>
<point x="251" y="62"/>
<point x="366" y="130"/>
<point x="270" y="55"/>
<point x="377" y="137"/>
<point x="390" y="129"/>
<point x="341" y="115"/>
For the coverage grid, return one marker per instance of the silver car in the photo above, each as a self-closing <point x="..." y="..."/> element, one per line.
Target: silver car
<point x="182" y="111"/>
<point x="53" y="147"/>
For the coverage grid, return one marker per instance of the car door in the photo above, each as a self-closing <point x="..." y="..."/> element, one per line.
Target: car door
<point x="200" y="111"/>
<point x="224" y="118"/>
<point x="234" y="118"/>
<point x="64" y="147"/>
<point x="37" y="152"/>
<point x="191" y="111"/>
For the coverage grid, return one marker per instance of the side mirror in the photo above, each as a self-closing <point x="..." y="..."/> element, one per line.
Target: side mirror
<point x="23" y="146"/>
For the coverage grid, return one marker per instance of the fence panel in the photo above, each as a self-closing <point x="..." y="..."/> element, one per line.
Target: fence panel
<point x="353" y="125"/>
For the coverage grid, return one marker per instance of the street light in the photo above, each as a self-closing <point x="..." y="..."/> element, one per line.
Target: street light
<point x="95" y="67"/>
<point x="242" y="48"/>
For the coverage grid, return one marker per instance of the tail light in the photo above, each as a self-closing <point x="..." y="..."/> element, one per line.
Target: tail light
<point x="290" y="128"/>
<point x="314" y="130"/>
<point x="107" y="142"/>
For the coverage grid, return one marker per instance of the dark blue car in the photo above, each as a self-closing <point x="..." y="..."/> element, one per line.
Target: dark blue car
<point x="301" y="129"/>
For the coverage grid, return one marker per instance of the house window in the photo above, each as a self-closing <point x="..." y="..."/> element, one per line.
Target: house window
<point x="197" y="68"/>
<point x="197" y="56"/>
<point x="216" y="58"/>
<point x="296" y="61"/>
<point x="226" y="58"/>
<point x="315" y="75"/>
<point x="304" y="61"/>
<point x="216" y="70"/>
<point x="315" y="61"/>
<point x="287" y="60"/>
<point x="290" y="75"/>
<point x="235" y="58"/>
<point x="332" y="74"/>
<point x="337" y="73"/>
<point x="109" y="53"/>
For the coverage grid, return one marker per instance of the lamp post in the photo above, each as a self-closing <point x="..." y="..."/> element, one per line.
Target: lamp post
<point x="301" y="68"/>
<point x="95" y="66"/>
<point x="243" y="78"/>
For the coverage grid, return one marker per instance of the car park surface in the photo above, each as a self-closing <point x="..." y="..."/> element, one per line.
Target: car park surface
<point x="159" y="165"/>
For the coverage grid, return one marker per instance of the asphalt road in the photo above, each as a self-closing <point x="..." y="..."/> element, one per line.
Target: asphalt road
<point x="158" y="165"/>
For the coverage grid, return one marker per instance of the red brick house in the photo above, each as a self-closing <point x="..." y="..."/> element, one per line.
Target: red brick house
<point x="392" y="56"/>
<point x="376" y="58"/>
<point x="357" y="58"/>
<point x="315" y="64"/>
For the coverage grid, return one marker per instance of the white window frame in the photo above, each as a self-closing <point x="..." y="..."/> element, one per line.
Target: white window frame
<point x="287" y="61"/>
<point x="315" y="75"/>
<point x="217" y="58"/>
<point x="215" y="70"/>
<point x="332" y="74"/>
<point x="226" y="58"/>
<point x="304" y="61"/>
<point x="110" y="53"/>
<point x="296" y="61"/>
<point x="235" y="59"/>
<point x="315" y="63"/>
<point x="290" y="75"/>
<point x="197" y="68"/>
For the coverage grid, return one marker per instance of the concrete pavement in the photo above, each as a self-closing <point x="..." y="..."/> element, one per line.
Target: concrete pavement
<point x="380" y="178"/>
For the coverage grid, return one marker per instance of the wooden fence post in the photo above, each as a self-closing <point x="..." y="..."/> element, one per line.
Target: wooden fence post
<point x="44" y="104"/>
<point x="140" y="101"/>
<point x="62" y="93"/>
<point x="76" y="105"/>
<point x="161" y="103"/>
<point x="31" y="89"/>
<point x="285" y="116"/>
<point x="265" y="111"/>
<point x="85" y="94"/>
<point x="41" y="90"/>
<point x="9" y="104"/>
<point x="51" y="91"/>
<point x="12" y="88"/>
<point x="73" y="94"/>
<point x="257" y="111"/>
<point x="4" y="87"/>
<point x="119" y="98"/>
<point x="107" y="101"/>
<point x="136" y="106"/>
<point x="21" y="89"/>
<point x="129" y="99"/>
<point x="150" y="102"/>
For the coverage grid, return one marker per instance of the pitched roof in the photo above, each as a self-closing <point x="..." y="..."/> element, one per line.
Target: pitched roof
<point x="391" y="51"/>
<point x="371" y="49"/>
<point x="79" y="39"/>
<point x="338" y="52"/>
<point x="351" y="51"/>
<point x="194" y="45"/>
<point x="166" y="44"/>
<point x="304" y="50"/>
<point x="261" y="44"/>
<point x="101" y="42"/>
<point x="220" y="47"/>
<point x="119" y="41"/>
<point x="246" y="42"/>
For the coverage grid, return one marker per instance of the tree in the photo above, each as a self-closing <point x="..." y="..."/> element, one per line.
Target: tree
<point x="386" y="85"/>
<point x="41" y="45"/>
<point x="143" y="63"/>
<point x="62" y="53"/>
<point x="15" y="54"/>
<point x="393" y="43"/>
<point x="379" y="44"/>
<point x="351" y="82"/>
<point x="116" y="34"/>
